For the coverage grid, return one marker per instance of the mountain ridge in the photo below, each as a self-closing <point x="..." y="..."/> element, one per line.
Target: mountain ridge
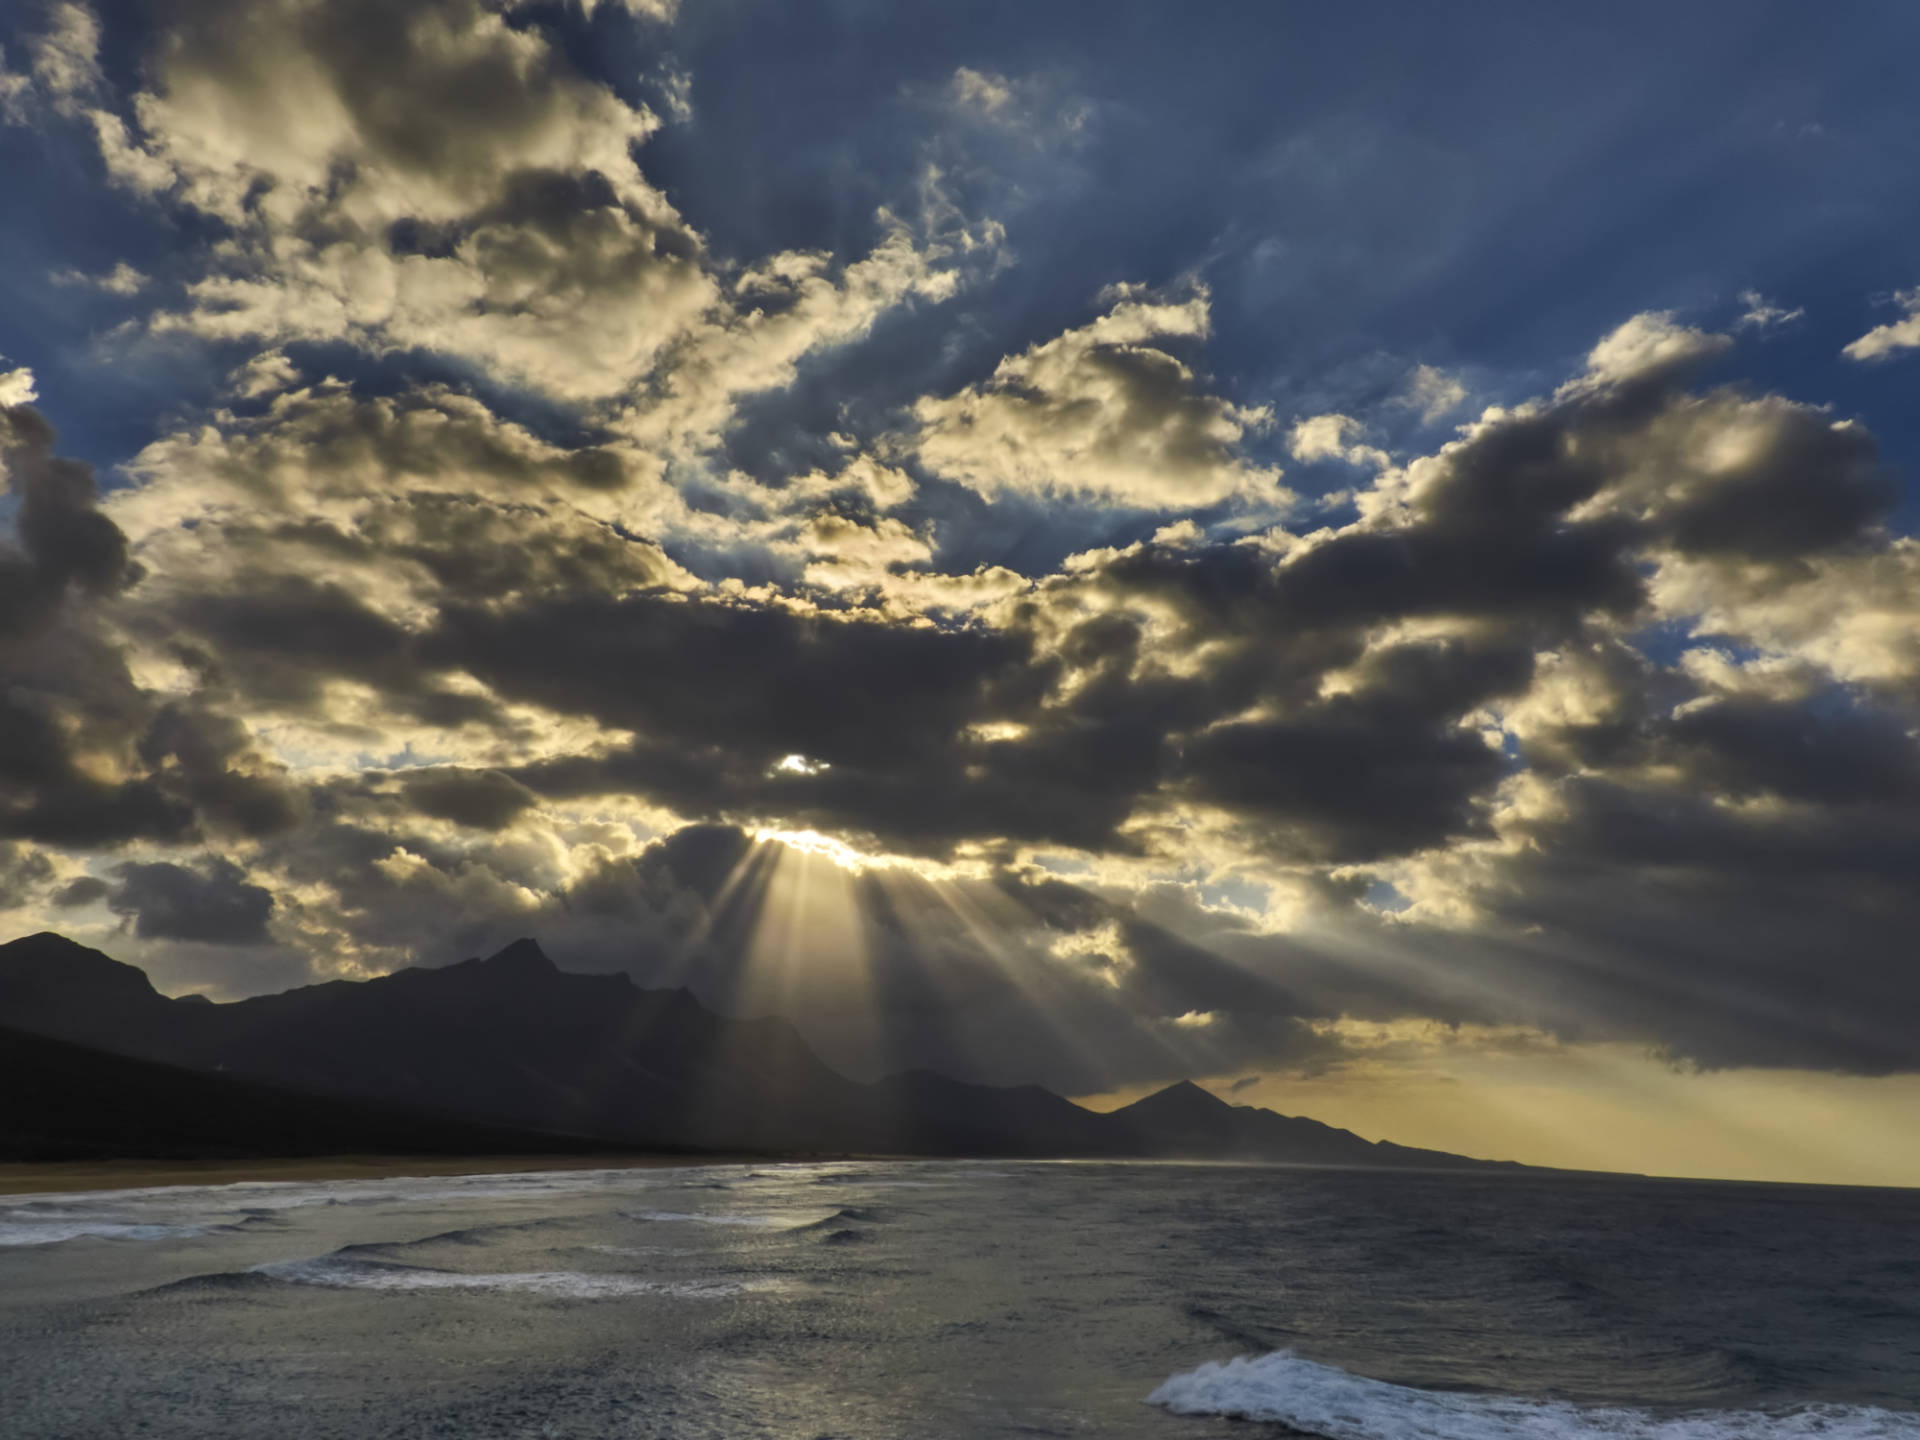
<point x="514" y="1042"/>
<point x="62" y="1101"/>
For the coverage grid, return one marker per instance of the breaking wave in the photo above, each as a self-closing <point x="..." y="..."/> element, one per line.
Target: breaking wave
<point x="174" y="1212"/>
<point x="865" y="1214"/>
<point x="53" y="1231"/>
<point x="757" y="1221"/>
<point x="1323" y="1401"/>
<point x="335" y="1273"/>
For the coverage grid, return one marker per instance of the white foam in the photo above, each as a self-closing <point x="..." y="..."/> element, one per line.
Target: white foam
<point x="53" y="1230"/>
<point x="173" y="1211"/>
<point x="337" y="1274"/>
<point x="1325" y="1401"/>
<point x="290" y="1194"/>
<point x="759" y="1221"/>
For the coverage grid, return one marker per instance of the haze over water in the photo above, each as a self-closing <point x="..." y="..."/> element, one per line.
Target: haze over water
<point x="965" y="1299"/>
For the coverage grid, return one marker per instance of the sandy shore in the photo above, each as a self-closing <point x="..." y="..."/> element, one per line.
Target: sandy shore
<point x="33" y="1179"/>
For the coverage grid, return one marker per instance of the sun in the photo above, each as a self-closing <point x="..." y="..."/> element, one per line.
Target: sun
<point x="812" y="842"/>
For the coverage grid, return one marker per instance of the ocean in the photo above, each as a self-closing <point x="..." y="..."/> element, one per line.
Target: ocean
<point x="880" y="1301"/>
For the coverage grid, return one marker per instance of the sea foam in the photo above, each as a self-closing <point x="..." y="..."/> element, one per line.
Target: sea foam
<point x="173" y="1212"/>
<point x="333" y="1273"/>
<point x="1325" y="1401"/>
<point x="54" y="1231"/>
<point x="765" y="1222"/>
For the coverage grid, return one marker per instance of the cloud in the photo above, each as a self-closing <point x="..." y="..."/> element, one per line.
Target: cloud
<point x="14" y="90"/>
<point x="24" y="874"/>
<point x="213" y="904"/>
<point x="1886" y="340"/>
<point x="981" y="89"/>
<point x="1650" y="346"/>
<point x="531" y="561"/>
<point x="91" y="757"/>
<point x="76" y="894"/>
<point x="122" y="280"/>
<point x="16" y="388"/>
<point x="1761" y="314"/>
<point x="1099" y="412"/>
<point x="429" y="177"/>
<point x="483" y="799"/>
<point x="1443" y="694"/>
<point x="661" y="11"/>
<point x="63" y="67"/>
<point x="64" y="542"/>
<point x="788" y="307"/>
<point x="1433" y="392"/>
<point x="263" y="374"/>
<point x="66" y="57"/>
<point x="1333" y="437"/>
<point x="422" y="175"/>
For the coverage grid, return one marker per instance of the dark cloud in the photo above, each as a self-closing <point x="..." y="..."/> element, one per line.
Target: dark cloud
<point x="484" y="799"/>
<point x="279" y="638"/>
<point x="1362" y="697"/>
<point x="213" y="904"/>
<point x="87" y="757"/>
<point x="1613" y="689"/>
<point x="85" y="891"/>
<point x="64" y="543"/>
<point x="210" y="762"/>
<point x="1342" y="787"/>
<point x="23" y="874"/>
<point x="763" y="682"/>
<point x="1826" y="749"/>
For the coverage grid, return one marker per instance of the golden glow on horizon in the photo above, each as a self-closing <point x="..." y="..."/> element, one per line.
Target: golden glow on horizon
<point x="1608" y="1107"/>
<point x="1499" y="1092"/>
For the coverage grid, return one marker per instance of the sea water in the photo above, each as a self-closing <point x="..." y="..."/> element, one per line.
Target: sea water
<point x="870" y="1300"/>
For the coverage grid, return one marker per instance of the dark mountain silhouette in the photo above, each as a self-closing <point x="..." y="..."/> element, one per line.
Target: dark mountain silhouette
<point x="61" y="1101"/>
<point x="513" y="1042"/>
<point x="1185" y="1122"/>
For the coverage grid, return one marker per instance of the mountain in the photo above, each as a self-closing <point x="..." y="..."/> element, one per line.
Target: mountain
<point x="1188" y="1123"/>
<point x="512" y="1042"/>
<point x="61" y="1101"/>
<point x="509" y="1038"/>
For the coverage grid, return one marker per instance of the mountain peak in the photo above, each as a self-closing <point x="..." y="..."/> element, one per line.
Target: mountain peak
<point x="523" y="954"/>
<point x="1180" y="1103"/>
<point x="51" y="962"/>
<point x="1188" y="1093"/>
<point x="47" y="942"/>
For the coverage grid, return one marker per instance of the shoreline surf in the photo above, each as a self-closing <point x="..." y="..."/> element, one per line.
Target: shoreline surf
<point x="56" y="1177"/>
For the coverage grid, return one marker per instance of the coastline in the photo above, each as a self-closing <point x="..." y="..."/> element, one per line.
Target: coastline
<point x="63" y="1176"/>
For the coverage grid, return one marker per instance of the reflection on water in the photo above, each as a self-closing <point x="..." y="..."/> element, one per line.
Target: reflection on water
<point x="937" y="1299"/>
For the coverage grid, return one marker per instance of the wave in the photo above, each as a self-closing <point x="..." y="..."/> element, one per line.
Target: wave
<point x="475" y="1236"/>
<point x="864" y="1214"/>
<point x="870" y="1180"/>
<point x="225" y="1283"/>
<point x="174" y="1212"/>
<point x="1324" y="1401"/>
<point x="335" y="1273"/>
<point x="757" y="1221"/>
<point x="54" y="1232"/>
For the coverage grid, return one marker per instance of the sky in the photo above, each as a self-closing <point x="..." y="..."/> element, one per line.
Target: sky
<point x="1361" y="555"/>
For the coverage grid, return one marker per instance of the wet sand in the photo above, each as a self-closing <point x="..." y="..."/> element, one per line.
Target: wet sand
<point x="60" y="1176"/>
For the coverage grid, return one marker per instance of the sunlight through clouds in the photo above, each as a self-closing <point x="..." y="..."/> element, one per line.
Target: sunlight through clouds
<point x="1075" y="572"/>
